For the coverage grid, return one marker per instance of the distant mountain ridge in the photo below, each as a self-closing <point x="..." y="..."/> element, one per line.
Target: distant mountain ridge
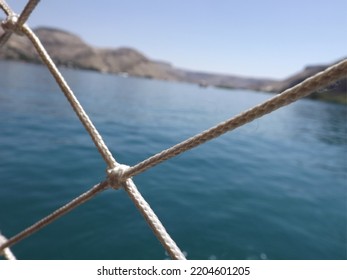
<point x="67" y="49"/>
<point x="336" y="92"/>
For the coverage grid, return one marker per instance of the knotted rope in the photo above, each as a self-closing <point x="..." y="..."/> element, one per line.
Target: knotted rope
<point x="115" y="169"/>
<point x="118" y="175"/>
<point x="14" y="23"/>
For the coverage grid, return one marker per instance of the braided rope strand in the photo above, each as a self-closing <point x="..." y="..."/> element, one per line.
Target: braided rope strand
<point x="120" y="176"/>
<point x="5" y="7"/>
<point x="55" y="215"/>
<point x="83" y="117"/>
<point x="153" y="221"/>
<point x="96" y="137"/>
<point x="28" y="9"/>
<point x="4" y="38"/>
<point x="17" y="22"/>
<point x="7" y="10"/>
<point x="303" y="89"/>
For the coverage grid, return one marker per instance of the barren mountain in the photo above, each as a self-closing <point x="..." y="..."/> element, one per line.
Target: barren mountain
<point x="69" y="50"/>
<point x="337" y="92"/>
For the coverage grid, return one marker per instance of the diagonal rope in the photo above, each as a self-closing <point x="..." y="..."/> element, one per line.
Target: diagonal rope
<point x="144" y="208"/>
<point x="55" y="215"/>
<point x="140" y="202"/>
<point x="13" y="19"/>
<point x="5" y="7"/>
<point x="28" y="9"/>
<point x="7" y="10"/>
<point x="119" y="174"/>
<point x="4" y="38"/>
<point x="18" y="24"/>
<point x="153" y="221"/>
<point x="290" y="95"/>
<point x="6" y="252"/>
<point x="83" y="117"/>
<point x="151" y="218"/>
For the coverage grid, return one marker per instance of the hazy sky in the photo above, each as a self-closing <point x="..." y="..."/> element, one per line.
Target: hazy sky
<point x="264" y="38"/>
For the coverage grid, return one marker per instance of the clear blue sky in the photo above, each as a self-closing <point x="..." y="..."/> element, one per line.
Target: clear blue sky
<point x="265" y="38"/>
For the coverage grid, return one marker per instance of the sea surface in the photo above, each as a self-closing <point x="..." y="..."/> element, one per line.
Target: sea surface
<point x="273" y="189"/>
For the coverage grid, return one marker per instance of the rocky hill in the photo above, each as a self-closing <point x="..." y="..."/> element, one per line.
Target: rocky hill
<point x="69" y="50"/>
<point x="336" y="92"/>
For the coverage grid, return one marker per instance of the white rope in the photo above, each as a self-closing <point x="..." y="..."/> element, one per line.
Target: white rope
<point x="153" y="221"/>
<point x="77" y="107"/>
<point x="118" y="174"/>
<point x="13" y="23"/>
<point x="55" y="215"/>
<point x="6" y="252"/>
<point x="7" y="34"/>
<point x="5" y="7"/>
<point x="321" y="79"/>
<point x="115" y="170"/>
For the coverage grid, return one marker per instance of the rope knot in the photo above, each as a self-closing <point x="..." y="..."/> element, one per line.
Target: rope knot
<point x="10" y="25"/>
<point x="115" y="175"/>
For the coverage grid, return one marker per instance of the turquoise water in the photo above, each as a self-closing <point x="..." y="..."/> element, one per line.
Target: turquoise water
<point x="273" y="189"/>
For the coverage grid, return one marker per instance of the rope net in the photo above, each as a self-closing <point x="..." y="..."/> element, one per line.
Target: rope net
<point x="118" y="176"/>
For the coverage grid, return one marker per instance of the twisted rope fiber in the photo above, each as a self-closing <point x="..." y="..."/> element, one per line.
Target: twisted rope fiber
<point x="5" y="7"/>
<point x="135" y="196"/>
<point x="55" y="215"/>
<point x="290" y="95"/>
<point x="7" y="10"/>
<point x="83" y="117"/>
<point x="287" y="97"/>
<point x="148" y="213"/>
<point x="154" y="222"/>
<point x="4" y="38"/>
<point x="28" y="9"/>
<point x="139" y="201"/>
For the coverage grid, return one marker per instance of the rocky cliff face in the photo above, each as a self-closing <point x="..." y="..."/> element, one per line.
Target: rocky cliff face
<point x="69" y="50"/>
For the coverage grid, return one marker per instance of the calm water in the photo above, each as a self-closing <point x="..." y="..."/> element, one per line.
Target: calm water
<point x="274" y="189"/>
